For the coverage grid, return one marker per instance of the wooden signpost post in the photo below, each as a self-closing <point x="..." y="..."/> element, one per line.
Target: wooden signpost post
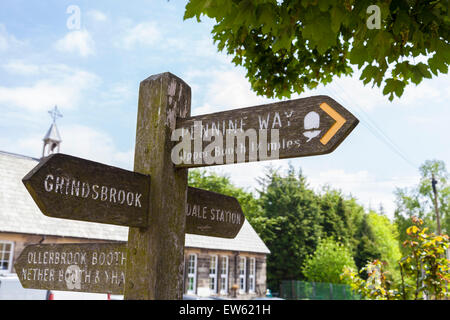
<point x="156" y="253"/>
<point x="155" y="200"/>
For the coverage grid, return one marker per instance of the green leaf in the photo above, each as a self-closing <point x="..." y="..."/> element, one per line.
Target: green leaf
<point x="393" y="86"/>
<point x="195" y="8"/>
<point x="358" y="55"/>
<point x="324" y="5"/>
<point x="318" y="32"/>
<point x="369" y="73"/>
<point x="246" y="14"/>
<point x="416" y="75"/>
<point x="437" y="64"/>
<point x="423" y="68"/>
<point x="281" y="42"/>
<point x="337" y="15"/>
<point x="402" y="69"/>
<point x="401" y="23"/>
<point x="265" y="16"/>
<point x="379" y="47"/>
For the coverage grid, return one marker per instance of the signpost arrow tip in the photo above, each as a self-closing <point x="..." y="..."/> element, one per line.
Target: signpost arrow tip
<point x="335" y="127"/>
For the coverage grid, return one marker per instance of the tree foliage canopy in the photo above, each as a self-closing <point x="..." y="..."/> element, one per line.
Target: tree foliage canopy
<point x="287" y="46"/>
<point x="289" y="225"/>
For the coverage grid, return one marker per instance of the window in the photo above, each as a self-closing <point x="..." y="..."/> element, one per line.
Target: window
<point x="6" y="255"/>
<point x="192" y="274"/>
<point x="213" y="274"/>
<point x="224" y="275"/>
<point x="242" y="274"/>
<point x="251" y="275"/>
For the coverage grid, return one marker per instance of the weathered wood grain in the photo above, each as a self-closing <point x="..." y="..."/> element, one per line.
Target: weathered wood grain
<point x="155" y="264"/>
<point x="68" y="187"/>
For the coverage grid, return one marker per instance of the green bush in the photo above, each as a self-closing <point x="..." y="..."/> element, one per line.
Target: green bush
<point x="328" y="262"/>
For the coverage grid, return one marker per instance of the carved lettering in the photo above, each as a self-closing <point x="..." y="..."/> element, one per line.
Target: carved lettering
<point x="76" y="188"/>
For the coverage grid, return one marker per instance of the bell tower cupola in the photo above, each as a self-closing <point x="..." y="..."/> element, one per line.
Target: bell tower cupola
<point x="52" y="139"/>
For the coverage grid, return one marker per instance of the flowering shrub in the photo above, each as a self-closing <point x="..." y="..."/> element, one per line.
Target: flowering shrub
<point x="425" y="272"/>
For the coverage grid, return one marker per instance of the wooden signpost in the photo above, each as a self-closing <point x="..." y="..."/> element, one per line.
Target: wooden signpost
<point x="213" y="214"/>
<point x="72" y="188"/>
<point x="161" y="209"/>
<point x="68" y="187"/>
<point x="87" y="267"/>
<point x="155" y="266"/>
<point x="306" y="127"/>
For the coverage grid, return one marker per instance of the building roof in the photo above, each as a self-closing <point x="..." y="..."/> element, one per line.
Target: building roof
<point x="19" y="214"/>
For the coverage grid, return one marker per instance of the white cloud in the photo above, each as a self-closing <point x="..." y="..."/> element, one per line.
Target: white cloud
<point x="199" y="48"/>
<point x="7" y="40"/>
<point x="368" y="189"/>
<point x="80" y="141"/>
<point x="97" y="15"/>
<point x="353" y="93"/>
<point x="93" y="144"/>
<point x="21" y="68"/>
<point x="435" y="89"/>
<point x="225" y="89"/>
<point x="119" y="91"/>
<point x="79" y="41"/>
<point x="143" y="34"/>
<point x="116" y="95"/>
<point x="59" y="84"/>
<point x="3" y="43"/>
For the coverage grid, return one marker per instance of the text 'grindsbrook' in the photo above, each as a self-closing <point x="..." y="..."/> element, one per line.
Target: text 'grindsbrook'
<point x="76" y="188"/>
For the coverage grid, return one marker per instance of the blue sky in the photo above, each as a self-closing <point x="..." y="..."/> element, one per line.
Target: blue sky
<point x="93" y="74"/>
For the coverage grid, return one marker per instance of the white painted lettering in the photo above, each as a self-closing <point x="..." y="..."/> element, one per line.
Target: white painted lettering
<point x="130" y="198"/>
<point x="264" y="123"/>
<point x="95" y="190"/>
<point x="104" y="194"/>
<point x="85" y="190"/>
<point x="75" y="188"/>
<point x="59" y="184"/>
<point x="121" y="197"/>
<point x="48" y="185"/>
<point x="112" y="195"/>
<point x="137" y="200"/>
